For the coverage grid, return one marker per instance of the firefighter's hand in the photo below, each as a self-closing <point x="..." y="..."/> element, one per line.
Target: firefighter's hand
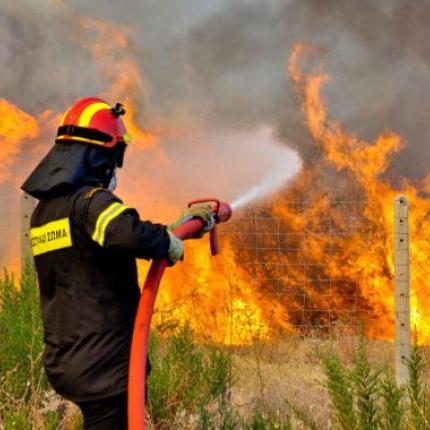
<point x="202" y="211"/>
<point x="176" y="249"/>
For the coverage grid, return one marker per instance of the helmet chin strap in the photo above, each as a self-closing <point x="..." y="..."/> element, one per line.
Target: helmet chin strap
<point x="113" y="183"/>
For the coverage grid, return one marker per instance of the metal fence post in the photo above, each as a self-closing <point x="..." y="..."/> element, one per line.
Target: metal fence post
<point x="28" y="204"/>
<point x="402" y="311"/>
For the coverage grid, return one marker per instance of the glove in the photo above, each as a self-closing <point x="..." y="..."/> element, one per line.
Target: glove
<point x="202" y="211"/>
<point x="176" y="249"/>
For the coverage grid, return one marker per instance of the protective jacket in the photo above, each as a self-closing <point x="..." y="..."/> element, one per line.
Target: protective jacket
<point x="85" y="244"/>
<point x="85" y="241"/>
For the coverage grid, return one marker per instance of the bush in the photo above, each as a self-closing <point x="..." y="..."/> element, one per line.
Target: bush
<point x="23" y="385"/>
<point x="363" y="398"/>
<point x="189" y="388"/>
<point x="185" y="377"/>
<point x="226" y="418"/>
<point x="190" y="384"/>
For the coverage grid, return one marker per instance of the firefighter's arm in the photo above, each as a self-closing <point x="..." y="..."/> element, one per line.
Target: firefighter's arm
<point x="115" y="226"/>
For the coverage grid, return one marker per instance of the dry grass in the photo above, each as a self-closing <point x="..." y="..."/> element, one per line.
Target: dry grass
<point x="289" y="371"/>
<point x="266" y="376"/>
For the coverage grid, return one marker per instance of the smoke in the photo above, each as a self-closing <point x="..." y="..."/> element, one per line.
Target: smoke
<point x="213" y="73"/>
<point x="223" y="62"/>
<point x="283" y="164"/>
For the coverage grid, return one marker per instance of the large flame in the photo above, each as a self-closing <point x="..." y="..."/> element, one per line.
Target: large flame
<point x="111" y="47"/>
<point x="328" y="266"/>
<point x="358" y="264"/>
<point x="16" y="127"/>
<point x="218" y="297"/>
<point x="335" y="257"/>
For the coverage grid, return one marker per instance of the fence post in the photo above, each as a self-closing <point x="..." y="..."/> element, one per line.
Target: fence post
<point x="401" y="270"/>
<point x="27" y="206"/>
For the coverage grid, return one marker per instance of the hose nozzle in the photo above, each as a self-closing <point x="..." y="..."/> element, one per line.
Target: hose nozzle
<point x="222" y="213"/>
<point x="221" y="210"/>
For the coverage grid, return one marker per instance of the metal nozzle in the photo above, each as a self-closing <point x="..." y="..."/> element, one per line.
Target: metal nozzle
<point x="224" y="212"/>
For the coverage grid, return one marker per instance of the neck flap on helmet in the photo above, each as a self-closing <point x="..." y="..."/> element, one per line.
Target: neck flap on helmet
<point x="69" y="166"/>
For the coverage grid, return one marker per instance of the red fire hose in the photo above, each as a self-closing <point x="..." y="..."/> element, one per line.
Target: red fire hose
<point x="139" y="347"/>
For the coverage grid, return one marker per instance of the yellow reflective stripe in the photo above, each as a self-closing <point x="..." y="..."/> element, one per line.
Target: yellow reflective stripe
<point x="80" y="139"/>
<point x="103" y="220"/>
<point x="88" y="112"/>
<point x="50" y="237"/>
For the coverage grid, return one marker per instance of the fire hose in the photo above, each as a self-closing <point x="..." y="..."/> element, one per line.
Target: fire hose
<point x="189" y="229"/>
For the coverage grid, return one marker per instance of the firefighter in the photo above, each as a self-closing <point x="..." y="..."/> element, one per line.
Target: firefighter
<point x="85" y="241"/>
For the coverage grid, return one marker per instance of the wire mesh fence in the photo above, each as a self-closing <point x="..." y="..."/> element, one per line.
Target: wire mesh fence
<point x="276" y="277"/>
<point x="280" y="273"/>
<point x="279" y="289"/>
<point x="294" y="266"/>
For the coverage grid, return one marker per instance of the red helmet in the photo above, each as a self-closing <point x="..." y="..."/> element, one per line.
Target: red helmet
<point x="92" y="120"/>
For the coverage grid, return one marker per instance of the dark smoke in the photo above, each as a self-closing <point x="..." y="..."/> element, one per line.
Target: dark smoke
<point x="223" y="62"/>
<point x="220" y="66"/>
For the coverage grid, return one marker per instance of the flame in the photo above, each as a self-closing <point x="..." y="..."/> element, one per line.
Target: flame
<point x="115" y="61"/>
<point x="200" y="290"/>
<point x="217" y="297"/>
<point x="362" y="266"/>
<point x="16" y="127"/>
<point x="336" y="272"/>
<point x="335" y="267"/>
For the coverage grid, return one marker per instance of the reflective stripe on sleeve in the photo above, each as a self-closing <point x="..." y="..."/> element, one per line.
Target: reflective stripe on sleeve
<point x="103" y="220"/>
<point x="50" y="237"/>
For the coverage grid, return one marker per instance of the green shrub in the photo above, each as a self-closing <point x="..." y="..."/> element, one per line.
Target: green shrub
<point x="392" y="402"/>
<point x="20" y="331"/>
<point x="418" y="398"/>
<point x="22" y="379"/>
<point x="191" y="380"/>
<point x="184" y="377"/>
<point x="365" y="382"/>
<point x="340" y="389"/>
<point x="364" y="398"/>
<point x="226" y="418"/>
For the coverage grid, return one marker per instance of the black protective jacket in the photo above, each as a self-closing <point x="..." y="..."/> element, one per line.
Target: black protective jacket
<point x="85" y="244"/>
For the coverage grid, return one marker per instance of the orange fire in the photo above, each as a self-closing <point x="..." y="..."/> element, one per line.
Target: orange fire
<point x="337" y="262"/>
<point x="16" y="126"/>
<point x="328" y="266"/>
<point x="217" y="297"/>
<point x="119" y="69"/>
<point x="360" y="263"/>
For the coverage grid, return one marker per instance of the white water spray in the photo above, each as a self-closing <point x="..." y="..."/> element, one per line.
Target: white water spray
<point x="268" y="184"/>
<point x="247" y="164"/>
<point x="285" y="167"/>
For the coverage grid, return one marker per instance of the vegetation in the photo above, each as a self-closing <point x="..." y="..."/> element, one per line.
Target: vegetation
<point x="364" y="398"/>
<point x="191" y="385"/>
<point x="24" y="391"/>
<point x="189" y="388"/>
